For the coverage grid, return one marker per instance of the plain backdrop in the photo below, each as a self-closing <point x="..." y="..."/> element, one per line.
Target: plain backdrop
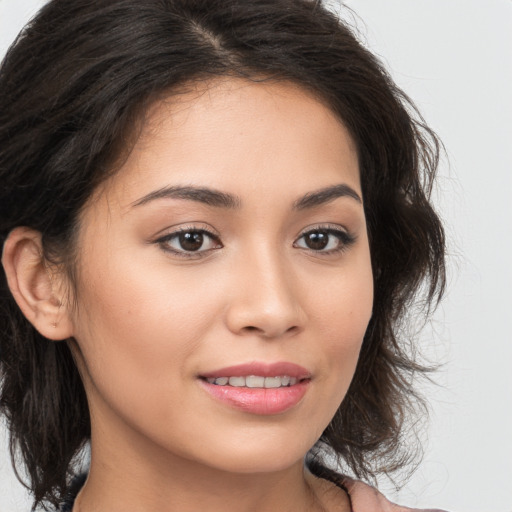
<point x="454" y="59"/>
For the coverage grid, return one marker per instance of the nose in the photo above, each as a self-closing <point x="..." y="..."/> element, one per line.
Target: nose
<point x="265" y="300"/>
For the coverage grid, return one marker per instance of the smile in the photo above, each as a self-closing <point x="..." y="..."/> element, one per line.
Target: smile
<point x="257" y="387"/>
<point x="254" y="381"/>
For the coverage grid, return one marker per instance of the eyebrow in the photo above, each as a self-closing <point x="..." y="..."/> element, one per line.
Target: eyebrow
<point x="218" y="199"/>
<point x="205" y="195"/>
<point x="325" y="195"/>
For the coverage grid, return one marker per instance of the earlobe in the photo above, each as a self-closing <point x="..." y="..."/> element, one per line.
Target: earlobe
<point x="35" y="286"/>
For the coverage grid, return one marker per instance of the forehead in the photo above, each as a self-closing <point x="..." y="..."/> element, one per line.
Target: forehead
<point x="239" y="136"/>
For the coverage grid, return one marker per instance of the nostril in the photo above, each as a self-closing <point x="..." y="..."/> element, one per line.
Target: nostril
<point x="268" y="334"/>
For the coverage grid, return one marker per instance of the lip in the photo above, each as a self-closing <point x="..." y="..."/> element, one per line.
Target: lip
<point x="259" y="401"/>
<point x="277" y="369"/>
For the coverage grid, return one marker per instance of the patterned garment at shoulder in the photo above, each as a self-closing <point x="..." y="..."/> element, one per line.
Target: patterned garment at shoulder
<point x="365" y="498"/>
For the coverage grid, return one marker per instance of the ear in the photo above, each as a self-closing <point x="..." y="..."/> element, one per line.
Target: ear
<point x="37" y="287"/>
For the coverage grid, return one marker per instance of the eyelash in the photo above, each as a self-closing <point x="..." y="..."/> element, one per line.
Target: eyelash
<point x="345" y="240"/>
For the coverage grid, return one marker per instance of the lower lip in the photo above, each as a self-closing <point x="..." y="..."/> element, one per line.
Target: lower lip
<point x="263" y="401"/>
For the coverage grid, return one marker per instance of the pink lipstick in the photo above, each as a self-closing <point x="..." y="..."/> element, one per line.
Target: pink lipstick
<point x="258" y="388"/>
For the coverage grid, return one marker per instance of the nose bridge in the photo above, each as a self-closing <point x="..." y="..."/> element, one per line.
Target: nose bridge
<point x="266" y="299"/>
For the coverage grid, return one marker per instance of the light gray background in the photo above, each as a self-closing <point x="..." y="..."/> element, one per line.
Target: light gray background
<point x="454" y="58"/>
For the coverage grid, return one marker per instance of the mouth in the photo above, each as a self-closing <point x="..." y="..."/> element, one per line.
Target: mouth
<point x="258" y="388"/>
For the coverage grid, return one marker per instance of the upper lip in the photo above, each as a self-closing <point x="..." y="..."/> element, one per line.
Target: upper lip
<point x="278" y="369"/>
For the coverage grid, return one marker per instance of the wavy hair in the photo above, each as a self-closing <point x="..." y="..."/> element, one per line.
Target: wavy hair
<point x="73" y="86"/>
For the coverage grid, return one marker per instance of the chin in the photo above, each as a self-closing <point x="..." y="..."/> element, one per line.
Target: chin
<point x="258" y="464"/>
<point x="266" y="456"/>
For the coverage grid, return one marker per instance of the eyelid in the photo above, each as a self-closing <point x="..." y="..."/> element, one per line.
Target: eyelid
<point x="187" y="226"/>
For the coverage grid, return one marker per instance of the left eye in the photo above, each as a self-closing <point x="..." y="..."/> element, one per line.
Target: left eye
<point x="190" y="241"/>
<point x="324" y="240"/>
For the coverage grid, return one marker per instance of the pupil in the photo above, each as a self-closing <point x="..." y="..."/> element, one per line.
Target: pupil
<point x="317" y="240"/>
<point x="191" y="241"/>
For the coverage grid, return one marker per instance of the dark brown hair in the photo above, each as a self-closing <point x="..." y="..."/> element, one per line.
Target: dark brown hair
<point x="71" y="88"/>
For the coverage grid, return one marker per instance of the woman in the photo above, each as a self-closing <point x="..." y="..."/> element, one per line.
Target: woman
<point x="214" y="216"/>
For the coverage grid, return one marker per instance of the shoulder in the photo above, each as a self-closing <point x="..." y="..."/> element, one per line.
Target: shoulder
<point x="364" y="497"/>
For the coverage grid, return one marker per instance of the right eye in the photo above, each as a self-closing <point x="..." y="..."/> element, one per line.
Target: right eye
<point x="189" y="242"/>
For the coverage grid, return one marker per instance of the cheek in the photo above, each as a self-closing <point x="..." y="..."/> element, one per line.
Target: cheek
<point x="139" y="320"/>
<point x="342" y="314"/>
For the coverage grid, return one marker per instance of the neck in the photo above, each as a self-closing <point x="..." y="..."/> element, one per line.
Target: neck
<point x="187" y="487"/>
<point x="146" y="479"/>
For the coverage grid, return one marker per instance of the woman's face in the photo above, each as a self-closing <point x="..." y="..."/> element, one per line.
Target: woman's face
<point x="224" y="281"/>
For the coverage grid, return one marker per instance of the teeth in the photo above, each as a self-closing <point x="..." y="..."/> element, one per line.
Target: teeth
<point x="254" y="381"/>
<point x="237" y="382"/>
<point x="272" y="382"/>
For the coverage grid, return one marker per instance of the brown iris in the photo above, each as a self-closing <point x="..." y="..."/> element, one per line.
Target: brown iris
<point x="317" y="240"/>
<point x="191" y="241"/>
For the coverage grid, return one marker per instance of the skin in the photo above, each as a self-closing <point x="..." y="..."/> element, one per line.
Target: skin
<point x="148" y="320"/>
